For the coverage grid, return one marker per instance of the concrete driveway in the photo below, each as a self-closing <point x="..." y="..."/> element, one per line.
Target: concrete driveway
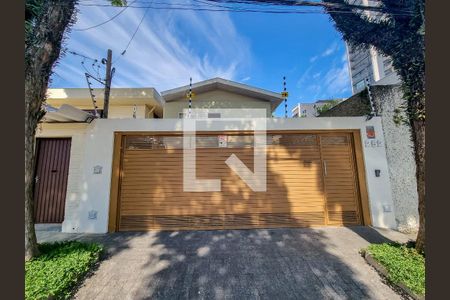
<point x="304" y="263"/>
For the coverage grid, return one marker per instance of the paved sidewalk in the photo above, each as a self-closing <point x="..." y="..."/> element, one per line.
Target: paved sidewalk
<point x="303" y="263"/>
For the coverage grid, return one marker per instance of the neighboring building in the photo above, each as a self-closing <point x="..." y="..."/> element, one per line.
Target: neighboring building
<point x="308" y="110"/>
<point x="130" y="172"/>
<point x="124" y="103"/>
<point x="402" y="166"/>
<point x="218" y="93"/>
<point x="369" y="64"/>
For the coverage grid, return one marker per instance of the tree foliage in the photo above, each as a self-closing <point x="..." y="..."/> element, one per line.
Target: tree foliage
<point x="326" y="106"/>
<point x="46" y="23"/>
<point x="399" y="33"/>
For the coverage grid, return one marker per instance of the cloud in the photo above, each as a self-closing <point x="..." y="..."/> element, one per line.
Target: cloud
<point x="330" y="50"/>
<point x="337" y="80"/>
<point x="246" y="78"/>
<point x="334" y="83"/>
<point x="305" y="76"/>
<point x="169" y="47"/>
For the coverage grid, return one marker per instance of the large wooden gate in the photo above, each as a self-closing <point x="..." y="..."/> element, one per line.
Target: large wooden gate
<point x="311" y="180"/>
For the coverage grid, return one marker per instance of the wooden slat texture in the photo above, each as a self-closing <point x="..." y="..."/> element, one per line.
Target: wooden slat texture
<point x="52" y="169"/>
<point x="340" y="179"/>
<point x="151" y="192"/>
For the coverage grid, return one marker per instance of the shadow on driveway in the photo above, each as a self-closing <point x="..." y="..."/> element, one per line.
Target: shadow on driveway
<point x="300" y="263"/>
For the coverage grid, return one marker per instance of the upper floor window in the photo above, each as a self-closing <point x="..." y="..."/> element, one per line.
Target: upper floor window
<point x="213" y="115"/>
<point x="360" y="85"/>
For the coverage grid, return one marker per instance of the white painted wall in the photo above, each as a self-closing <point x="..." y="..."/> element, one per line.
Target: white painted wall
<point x="94" y="189"/>
<point x="74" y="193"/>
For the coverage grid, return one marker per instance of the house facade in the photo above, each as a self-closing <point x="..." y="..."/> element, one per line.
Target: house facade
<point x="128" y="172"/>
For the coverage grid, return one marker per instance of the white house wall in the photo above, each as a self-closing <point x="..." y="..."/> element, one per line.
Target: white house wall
<point x="74" y="194"/>
<point x="92" y="191"/>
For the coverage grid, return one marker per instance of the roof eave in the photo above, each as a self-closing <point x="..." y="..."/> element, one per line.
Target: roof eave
<point x="219" y="83"/>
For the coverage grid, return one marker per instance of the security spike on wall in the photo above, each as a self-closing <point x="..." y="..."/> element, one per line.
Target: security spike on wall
<point x="190" y="96"/>
<point x="373" y="112"/>
<point x="285" y="95"/>
<point x="94" y="102"/>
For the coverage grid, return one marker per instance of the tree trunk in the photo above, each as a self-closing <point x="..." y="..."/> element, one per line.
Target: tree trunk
<point x="31" y="249"/>
<point x="42" y="50"/>
<point x="418" y="133"/>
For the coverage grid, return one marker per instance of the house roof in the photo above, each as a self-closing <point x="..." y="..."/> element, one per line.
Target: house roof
<point x="118" y="96"/>
<point x="226" y="85"/>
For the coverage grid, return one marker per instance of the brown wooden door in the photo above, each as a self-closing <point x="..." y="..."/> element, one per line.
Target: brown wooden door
<point x="52" y="169"/>
<point x="151" y="192"/>
<point x="341" y="187"/>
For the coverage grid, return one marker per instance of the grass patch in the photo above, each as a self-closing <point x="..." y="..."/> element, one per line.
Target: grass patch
<point x="58" y="268"/>
<point x="403" y="264"/>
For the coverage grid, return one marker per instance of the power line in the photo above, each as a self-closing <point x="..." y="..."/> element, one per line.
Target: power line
<point x="215" y="7"/>
<point x="132" y="37"/>
<point x="93" y="65"/>
<point x="304" y="3"/>
<point x="289" y="5"/>
<point x="107" y="21"/>
<point x="81" y="55"/>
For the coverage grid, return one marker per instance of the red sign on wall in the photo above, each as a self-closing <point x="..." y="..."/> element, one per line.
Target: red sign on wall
<point x="370" y="132"/>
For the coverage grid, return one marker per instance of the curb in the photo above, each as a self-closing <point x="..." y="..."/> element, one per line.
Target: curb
<point x="383" y="272"/>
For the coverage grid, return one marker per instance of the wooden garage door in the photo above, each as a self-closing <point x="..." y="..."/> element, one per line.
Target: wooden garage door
<point x="52" y="169"/>
<point x="298" y="192"/>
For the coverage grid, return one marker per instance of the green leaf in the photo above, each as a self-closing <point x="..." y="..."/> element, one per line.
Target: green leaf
<point x="59" y="268"/>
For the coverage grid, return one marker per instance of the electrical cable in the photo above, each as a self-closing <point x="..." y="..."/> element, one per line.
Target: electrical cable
<point x="132" y="37"/>
<point x="107" y="21"/>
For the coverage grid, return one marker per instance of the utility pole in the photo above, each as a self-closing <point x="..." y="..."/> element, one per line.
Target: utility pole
<point x="107" y="84"/>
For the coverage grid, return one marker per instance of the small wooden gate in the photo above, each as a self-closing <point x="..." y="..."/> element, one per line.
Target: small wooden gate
<point x="52" y="169"/>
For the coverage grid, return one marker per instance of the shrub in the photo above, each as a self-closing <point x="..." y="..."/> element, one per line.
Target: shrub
<point x="403" y="265"/>
<point x="58" y="268"/>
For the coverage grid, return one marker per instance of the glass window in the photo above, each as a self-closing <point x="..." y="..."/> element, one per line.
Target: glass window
<point x="213" y="115"/>
<point x="292" y="139"/>
<point x="207" y="141"/>
<point x="147" y="142"/>
<point x="360" y="85"/>
<point x="240" y="141"/>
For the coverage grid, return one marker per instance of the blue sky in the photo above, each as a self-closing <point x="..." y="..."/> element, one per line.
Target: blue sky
<point x="172" y="45"/>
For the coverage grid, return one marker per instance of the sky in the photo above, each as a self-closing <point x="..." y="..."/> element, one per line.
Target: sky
<point x="170" y="46"/>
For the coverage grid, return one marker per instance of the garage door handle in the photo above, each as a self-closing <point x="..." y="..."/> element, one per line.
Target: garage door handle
<point x="325" y="167"/>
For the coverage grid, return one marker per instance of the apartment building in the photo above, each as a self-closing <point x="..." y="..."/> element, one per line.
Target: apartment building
<point x="308" y="110"/>
<point x="369" y="64"/>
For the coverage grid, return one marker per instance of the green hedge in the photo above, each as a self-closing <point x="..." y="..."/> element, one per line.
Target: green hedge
<point x="58" y="268"/>
<point x="403" y="264"/>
